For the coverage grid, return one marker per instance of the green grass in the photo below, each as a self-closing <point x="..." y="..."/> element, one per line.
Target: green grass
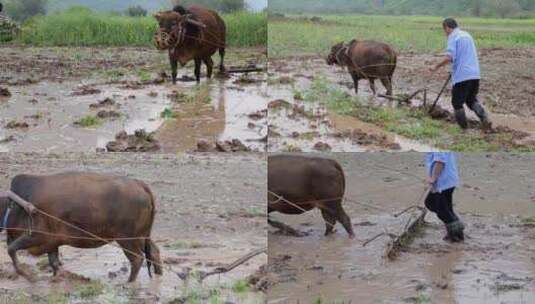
<point x="186" y="244"/>
<point x="88" y="121"/>
<point x="412" y="123"/>
<point x="168" y="114"/>
<point x="79" y="26"/>
<point x="89" y="290"/>
<point x="240" y="286"/>
<point x="290" y="36"/>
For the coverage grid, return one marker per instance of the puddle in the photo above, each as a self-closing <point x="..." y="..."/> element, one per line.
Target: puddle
<point x="225" y="117"/>
<point x="54" y="129"/>
<point x="55" y="110"/>
<point x="494" y="265"/>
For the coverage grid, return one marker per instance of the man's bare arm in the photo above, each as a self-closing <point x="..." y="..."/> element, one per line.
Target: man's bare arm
<point x="443" y="62"/>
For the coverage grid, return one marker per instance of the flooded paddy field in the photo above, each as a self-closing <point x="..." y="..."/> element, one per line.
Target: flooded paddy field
<point x="324" y="113"/>
<point x="494" y="265"/>
<point x="314" y="107"/>
<point x="207" y="216"/>
<point x="81" y="99"/>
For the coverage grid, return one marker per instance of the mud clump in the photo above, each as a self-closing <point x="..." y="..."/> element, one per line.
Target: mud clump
<point x="17" y="125"/>
<point x="5" y="92"/>
<point x="108" y="114"/>
<point x="258" y="114"/>
<point x="108" y="102"/>
<point x="85" y="90"/>
<point x="279" y="103"/>
<point x="323" y="147"/>
<point x="262" y="280"/>
<point x="226" y="146"/>
<point x="362" y="138"/>
<point x="140" y="141"/>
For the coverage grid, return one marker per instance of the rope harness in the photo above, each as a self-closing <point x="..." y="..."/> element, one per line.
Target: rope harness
<point x="164" y="40"/>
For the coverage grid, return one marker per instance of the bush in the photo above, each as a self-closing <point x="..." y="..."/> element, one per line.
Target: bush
<point x="136" y="11"/>
<point x="22" y="10"/>
<point x="79" y="26"/>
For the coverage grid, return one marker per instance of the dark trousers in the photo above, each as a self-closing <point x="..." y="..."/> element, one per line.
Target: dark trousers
<point x="442" y="205"/>
<point x="465" y="92"/>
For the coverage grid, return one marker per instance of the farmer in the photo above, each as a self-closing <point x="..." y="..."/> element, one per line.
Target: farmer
<point x="443" y="178"/>
<point x="462" y="54"/>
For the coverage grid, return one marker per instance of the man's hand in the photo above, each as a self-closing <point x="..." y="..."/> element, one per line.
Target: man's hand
<point x="443" y="62"/>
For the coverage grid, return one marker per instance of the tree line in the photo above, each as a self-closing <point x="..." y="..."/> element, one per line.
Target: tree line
<point x="21" y="10"/>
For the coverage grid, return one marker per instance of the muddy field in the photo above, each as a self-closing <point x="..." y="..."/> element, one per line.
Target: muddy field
<point x="298" y="121"/>
<point x="208" y="216"/>
<point x="494" y="265"/>
<point x="80" y="99"/>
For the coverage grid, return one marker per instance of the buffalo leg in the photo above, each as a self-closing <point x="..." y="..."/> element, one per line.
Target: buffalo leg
<point x="355" y="82"/>
<point x="174" y="67"/>
<point x="209" y="66"/>
<point x="134" y="252"/>
<point x="198" y="63"/>
<point x="387" y="83"/>
<point x="330" y="221"/>
<point x="22" y="243"/>
<point x="344" y="219"/>
<point x="372" y="85"/>
<point x="53" y="261"/>
<point x="222" y="62"/>
<point x="154" y="257"/>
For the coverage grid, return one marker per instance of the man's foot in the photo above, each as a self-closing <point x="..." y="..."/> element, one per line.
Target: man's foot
<point x="486" y="125"/>
<point x="455" y="232"/>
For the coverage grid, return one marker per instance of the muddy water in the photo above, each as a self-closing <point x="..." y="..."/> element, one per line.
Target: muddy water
<point x="494" y="265"/>
<point x="326" y="123"/>
<point x="54" y="130"/>
<point x="207" y="217"/>
<point x="50" y="111"/>
<point x="226" y="117"/>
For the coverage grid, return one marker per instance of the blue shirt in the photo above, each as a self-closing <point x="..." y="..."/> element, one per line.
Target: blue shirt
<point x="449" y="177"/>
<point x="465" y="63"/>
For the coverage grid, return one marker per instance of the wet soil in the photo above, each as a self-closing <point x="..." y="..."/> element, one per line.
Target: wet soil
<point x="506" y="90"/>
<point x="207" y="216"/>
<point x="296" y="124"/>
<point x="121" y="89"/>
<point x="493" y="265"/>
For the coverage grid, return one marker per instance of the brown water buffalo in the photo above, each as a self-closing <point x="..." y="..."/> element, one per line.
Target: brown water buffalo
<point x="366" y="59"/>
<point x="193" y="33"/>
<point x="113" y="208"/>
<point x="308" y="182"/>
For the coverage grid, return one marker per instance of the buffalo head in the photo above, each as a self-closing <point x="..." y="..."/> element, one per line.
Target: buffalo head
<point x="173" y="28"/>
<point x="336" y="52"/>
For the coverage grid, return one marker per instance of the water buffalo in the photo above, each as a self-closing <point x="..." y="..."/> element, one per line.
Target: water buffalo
<point x="366" y="59"/>
<point x="308" y="182"/>
<point x="113" y="208"/>
<point x="193" y="33"/>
